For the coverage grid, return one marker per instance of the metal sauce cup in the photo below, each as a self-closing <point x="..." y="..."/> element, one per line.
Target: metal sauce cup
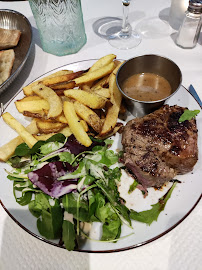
<point x="156" y="64"/>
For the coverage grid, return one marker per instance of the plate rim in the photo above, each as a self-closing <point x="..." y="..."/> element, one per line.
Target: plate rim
<point x="83" y="250"/>
<point x="13" y="76"/>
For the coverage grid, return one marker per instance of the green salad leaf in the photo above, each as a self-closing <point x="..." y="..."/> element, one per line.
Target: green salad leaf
<point x="188" y="115"/>
<point x="68" y="235"/>
<point x="50" y="147"/>
<point x="22" y="150"/>
<point x="132" y="186"/>
<point x="151" y="215"/>
<point x="50" y="221"/>
<point x="111" y="228"/>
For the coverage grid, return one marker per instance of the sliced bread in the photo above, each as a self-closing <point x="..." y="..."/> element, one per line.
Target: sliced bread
<point x="7" y="58"/>
<point x="9" y="38"/>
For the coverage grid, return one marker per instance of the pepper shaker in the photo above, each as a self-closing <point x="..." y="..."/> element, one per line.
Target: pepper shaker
<point x="189" y="31"/>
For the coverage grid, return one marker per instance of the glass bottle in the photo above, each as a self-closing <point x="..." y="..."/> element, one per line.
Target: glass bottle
<point x="190" y="29"/>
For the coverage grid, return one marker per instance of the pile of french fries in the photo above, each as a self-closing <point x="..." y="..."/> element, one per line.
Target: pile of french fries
<point x="83" y="103"/>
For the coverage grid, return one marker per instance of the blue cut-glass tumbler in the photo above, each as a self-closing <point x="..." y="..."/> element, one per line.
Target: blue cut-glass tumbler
<point x="60" y="24"/>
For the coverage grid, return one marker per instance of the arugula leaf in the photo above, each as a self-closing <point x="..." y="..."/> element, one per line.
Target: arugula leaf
<point x="102" y="210"/>
<point x="41" y="202"/>
<point x="17" y="163"/>
<point x="132" y="186"/>
<point x="66" y="157"/>
<point x="100" y="154"/>
<point x="108" y="142"/>
<point x="22" y="150"/>
<point x="112" y="194"/>
<point x="50" y="216"/>
<point x="35" y="208"/>
<point x="24" y="199"/>
<point x="92" y="204"/>
<point x="94" y="169"/>
<point x="50" y="222"/>
<point x="96" y="139"/>
<point x="113" y="174"/>
<point x="59" y="137"/>
<point x="111" y="228"/>
<point x="13" y="178"/>
<point x="188" y="115"/>
<point x="50" y="147"/>
<point x="69" y="202"/>
<point x="151" y="215"/>
<point x="68" y="235"/>
<point x="36" y="148"/>
<point x="21" y="185"/>
<point x="25" y="189"/>
<point x="88" y="180"/>
<point x="108" y="157"/>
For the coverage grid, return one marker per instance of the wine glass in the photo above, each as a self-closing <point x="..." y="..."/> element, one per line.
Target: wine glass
<point x="126" y="38"/>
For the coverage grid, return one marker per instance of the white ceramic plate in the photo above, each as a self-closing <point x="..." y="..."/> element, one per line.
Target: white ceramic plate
<point x="183" y="200"/>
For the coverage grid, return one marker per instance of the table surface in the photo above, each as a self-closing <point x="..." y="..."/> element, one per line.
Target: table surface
<point x="180" y="248"/>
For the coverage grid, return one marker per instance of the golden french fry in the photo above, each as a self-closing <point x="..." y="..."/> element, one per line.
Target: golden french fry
<point x="29" y="98"/>
<point x="8" y="149"/>
<point x="89" y="116"/>
<point x="54" y="101"/>
<point x="75" y="125"/>
<point x="28" y="89"/>
<point x="113" y="111"/>
<point x="96" y="74"/>
<point x="60" y="92"/>
<point x="43" y="137"/>
<point x="100" y="113"/>
<point x="66" y="131"/>
<point x="62" y="78"/>
<point x="89" y="99"/>
<point x="105" y="60"/>
<point x="117" y="62"/>
<point x="86" y="87"/>
<point x="49" y="127"/>
<point x="116" y="96"/>
<point x="38" y="114"/>
<point x="84" y="124"/>
<point x="101" y="83"/>
<point x="32" y="105"/>
<point x="21" y="130"/>
<point x="112" y="132"/>
<point x="63" y="86"/>
<point x="103" y="92"/>
<point x="61" y="118"/>
<point x="110" y="120"/>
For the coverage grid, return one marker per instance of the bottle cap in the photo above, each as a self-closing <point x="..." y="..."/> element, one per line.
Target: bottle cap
<point x="195" y="6"/>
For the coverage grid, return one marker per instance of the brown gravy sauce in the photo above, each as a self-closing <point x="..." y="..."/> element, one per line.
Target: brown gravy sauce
<point x="147" y="87"/>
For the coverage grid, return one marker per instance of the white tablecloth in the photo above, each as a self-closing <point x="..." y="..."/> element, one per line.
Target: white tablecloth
<point x="179" y="249"/>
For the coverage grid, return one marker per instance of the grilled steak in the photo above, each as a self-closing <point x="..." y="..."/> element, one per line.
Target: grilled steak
<point x="157" y="147"/>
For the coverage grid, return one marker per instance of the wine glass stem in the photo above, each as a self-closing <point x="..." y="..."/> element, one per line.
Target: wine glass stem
<point x="125" y="25"/>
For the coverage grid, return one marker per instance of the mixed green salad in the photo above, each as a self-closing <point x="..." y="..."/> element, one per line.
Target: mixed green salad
<point x="68" y="186"/>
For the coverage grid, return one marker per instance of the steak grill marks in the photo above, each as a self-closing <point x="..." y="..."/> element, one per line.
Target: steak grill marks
<point x="157" y="146"/>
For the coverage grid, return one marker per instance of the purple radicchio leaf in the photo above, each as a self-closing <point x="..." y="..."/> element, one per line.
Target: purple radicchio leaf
<point x="46" y="179"/>
<point x="76" y="148"/>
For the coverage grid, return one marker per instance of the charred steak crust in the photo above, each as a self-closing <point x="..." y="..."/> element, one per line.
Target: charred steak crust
<point x="157" y="147"/>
